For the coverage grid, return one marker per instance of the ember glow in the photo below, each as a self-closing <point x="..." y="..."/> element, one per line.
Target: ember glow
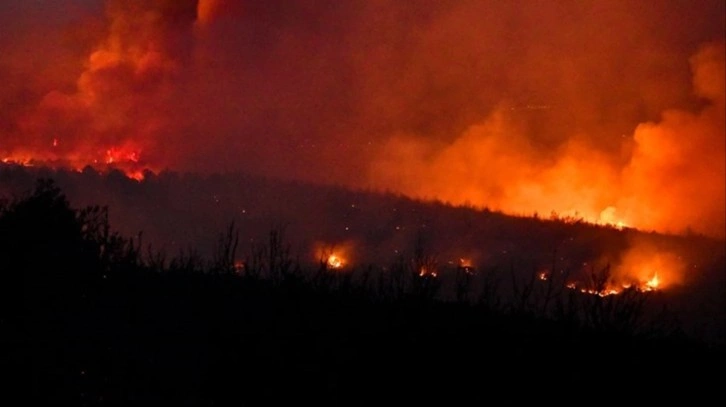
<point x="643" y="268"/>
<point x="334" y="256"/>
<point x="604" y="112"/>
<point x="649" y="268"/>
<point x="428" y="272"/>
<point x="465" y="263"/>
<point x="467" y="266"/>
<point x="654" y="282"/>
<point x="335" y="262"/>
<point x="125" y="159"/>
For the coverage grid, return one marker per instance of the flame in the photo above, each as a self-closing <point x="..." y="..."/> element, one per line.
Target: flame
<point x="466" y="265"/>
<point x="21" y="161"/>
<point x="125" y="158"/>
<point x="333" y="256"/>
<point x="111" y="114"/>
<point x="335" y="262"/>
<point x="156" y="67"/>
<point x="609" y="217"/>
<point x="649" y="268"/>
<point x="424" y="271"/>
<point x="136" y="175"/>
<point x="612" y="290"/>
<point x="615" y="286"/>
<point x="653" y="283"/>
<point x="600" y="293"/>
<point x="577" y="181"/>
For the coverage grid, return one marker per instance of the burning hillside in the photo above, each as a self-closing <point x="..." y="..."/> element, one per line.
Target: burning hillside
<point x="436" y="100"/>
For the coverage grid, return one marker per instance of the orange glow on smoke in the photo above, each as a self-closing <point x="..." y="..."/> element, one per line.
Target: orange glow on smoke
<point x="192" y="83"/>
<point x="107" y="117"/>
<point x="525" y="114"/>
<point x="668" y="165"/>
<point x="465" y="263"/>
<point x="643" y="268"/>
<point x="649" y="269"/>
<point x="208" y="10"/>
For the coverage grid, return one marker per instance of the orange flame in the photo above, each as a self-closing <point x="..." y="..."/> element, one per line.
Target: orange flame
<point x="632" y="275"/>
<point x="653" y="282"/>
<point x="424" y="271"/>
<point x="333" y="256"/>
<point x="466" y="265"/>
<point x="126" y="159"/>
<point x="335" y="261"/>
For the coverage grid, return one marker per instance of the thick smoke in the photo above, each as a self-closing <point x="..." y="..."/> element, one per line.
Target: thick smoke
<point x="117" y="106"/>
<point x="612" y="111"/>
<point x="673" y="180"/>
<point x="676" y="178"/>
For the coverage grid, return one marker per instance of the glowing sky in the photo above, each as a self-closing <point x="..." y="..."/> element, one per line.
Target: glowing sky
<point x="611" y="110"/>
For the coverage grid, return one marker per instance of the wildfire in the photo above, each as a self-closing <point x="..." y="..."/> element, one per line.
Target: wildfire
<point x="119" y="155"/>
<point x="609" y="217"/>
<point x="21" y="161"/>
<point x="601" y="293"/>
<point x="466" y="265"/>
<point x="424" y="271"/>
<point x="123" y="158"/>
<point x="653" y="283"/>
<point x="615" y="289"/>
<point x="333" y="256"/>
<point x="335" y="262"/>
<point x="643" y="268"/>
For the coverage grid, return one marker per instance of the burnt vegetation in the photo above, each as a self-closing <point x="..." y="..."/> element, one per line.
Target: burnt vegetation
<point x="94" y="317"/>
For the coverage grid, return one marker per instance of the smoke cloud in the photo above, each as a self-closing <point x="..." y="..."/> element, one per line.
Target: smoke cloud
<point x="612" y="111"/>
<point x="673" y="180"/>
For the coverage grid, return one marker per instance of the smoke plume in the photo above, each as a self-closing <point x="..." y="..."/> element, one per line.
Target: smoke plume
<point x="610" y="111"/>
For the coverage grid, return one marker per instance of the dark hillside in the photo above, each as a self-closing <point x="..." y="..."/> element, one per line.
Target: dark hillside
<point x="89" y="319"/>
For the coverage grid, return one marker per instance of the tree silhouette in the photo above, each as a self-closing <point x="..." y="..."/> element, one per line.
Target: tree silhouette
<point x="89" y="320"/>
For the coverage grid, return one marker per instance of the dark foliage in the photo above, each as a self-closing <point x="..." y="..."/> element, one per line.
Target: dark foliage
<point x="90" y="317"/>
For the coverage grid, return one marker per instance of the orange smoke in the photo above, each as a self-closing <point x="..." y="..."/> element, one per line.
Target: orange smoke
<point x="207" y="10"/>
<point x="494" y="165"/>
<point x="676" y="179"/>
<point x="649" y="268"/>
<point x="673" y="180"/>
<point x="111" y="116"/>
<point x="523" y="109"/>
<point x="210" y="11"/>
<point x="643" y="267"/>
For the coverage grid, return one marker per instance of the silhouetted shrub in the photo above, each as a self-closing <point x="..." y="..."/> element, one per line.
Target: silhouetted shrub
<point x="93" y="321"/>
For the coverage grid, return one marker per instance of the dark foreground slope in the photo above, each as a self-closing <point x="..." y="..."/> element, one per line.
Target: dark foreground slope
<point x="185" y="214"/>
<point x="88" y="320"/>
